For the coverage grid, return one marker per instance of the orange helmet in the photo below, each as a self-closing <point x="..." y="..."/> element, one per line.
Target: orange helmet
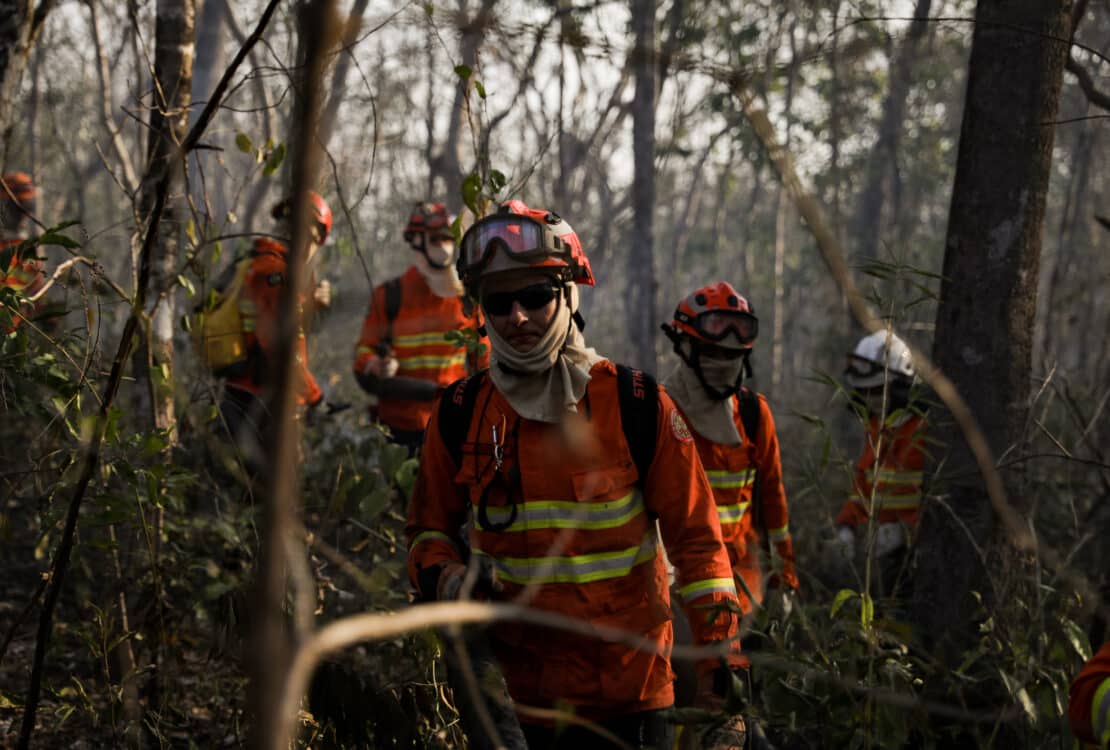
<point x="320" y="212"/>
<point x="20" y="187"/>
<point x="427" y="218"/>
<point x="518" y="237"/>
<point x="716" y="314"/>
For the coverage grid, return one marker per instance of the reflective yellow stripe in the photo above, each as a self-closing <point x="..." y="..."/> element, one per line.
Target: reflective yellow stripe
<point x="420" y="339"/>
<point x="729" y="480"/>
<point x="697" y="589"/>
<point x="892" y="476"/>
<point x="1100" y="714"/>
<point x="780" y="534"/>
<point x="599" y="566"/>
<point x="425" y="536"/>
<point x="890" y="502"/>
<point x="732" y="513"/>
<point x="557" y="514"/>
<point x="364" y="350"/>
<point x="419" y="363"/>
<point x="248" y="325"/>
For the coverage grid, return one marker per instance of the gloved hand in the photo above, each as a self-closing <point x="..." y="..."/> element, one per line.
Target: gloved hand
<point x="889" y="537"/>
<point x="384" y="366"/>
<point x="450" y="581"/>
<point x="454" y="577"/>
<point x="733" y="735"/>
<point x="334" y="407"/>
<point x="321" y="295"/>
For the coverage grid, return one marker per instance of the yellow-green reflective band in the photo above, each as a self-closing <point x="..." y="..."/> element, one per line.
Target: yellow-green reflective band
<point x="364" y="350"/>
<point x="419" y="363"/>
<point x="696" y="589"/>
<point x="246" y="305"/>
<point x="891" y="502"/>
<point x="420" y="339"/>
<point x="426" y="536"/>
<point x="1100" y="714"/>
<point x="599" y="566"/>
<point x="248" y="326"/>
<point x="779" y="534"/>
<point x="732" y="513"/>
<point x="730" y="480"/>
<point x="891" y="476"/>
<point x="557" y="514"/>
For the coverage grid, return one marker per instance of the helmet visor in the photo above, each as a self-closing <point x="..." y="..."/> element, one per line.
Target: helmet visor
<point x="521" y="237"/>
<point x="717" y="325"/>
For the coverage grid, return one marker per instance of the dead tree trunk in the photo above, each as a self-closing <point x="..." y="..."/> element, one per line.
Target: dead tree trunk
<point x="984" y="328"/>
<point x="20" y="24"/>
<point x="641" y="270"/>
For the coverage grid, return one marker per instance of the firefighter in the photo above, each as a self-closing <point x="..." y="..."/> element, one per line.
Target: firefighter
<point x="888" y="474"/>
<point x="20" y="271"/>
<point x="713" y="332"/>
<point x="1089" y="700"/>
<point x="410" y="347"/>
<point x="557" y="463"/>
<point x="243" y="408"/>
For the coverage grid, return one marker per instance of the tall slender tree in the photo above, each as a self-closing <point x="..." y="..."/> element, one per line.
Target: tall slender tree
<point x="641" y="269"/>
<point x="20" y="24"/>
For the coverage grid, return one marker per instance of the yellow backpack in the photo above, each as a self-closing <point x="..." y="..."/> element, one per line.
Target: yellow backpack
<point x="217" y="328"/>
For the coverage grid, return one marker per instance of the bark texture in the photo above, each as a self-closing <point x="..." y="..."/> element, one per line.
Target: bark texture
<point x="20" y="23"/>
<point x="984" y="327"/>
<point x="641" y="270"/>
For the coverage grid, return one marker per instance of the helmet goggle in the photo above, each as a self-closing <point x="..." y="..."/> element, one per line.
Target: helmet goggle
<point x="522" y="238"/>
<point x="717" y="325"/>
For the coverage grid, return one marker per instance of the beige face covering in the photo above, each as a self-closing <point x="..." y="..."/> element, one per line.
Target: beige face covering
<point x="547" y="381"/>
<point x="444" y="282"/>
<point x="710" y="418"/>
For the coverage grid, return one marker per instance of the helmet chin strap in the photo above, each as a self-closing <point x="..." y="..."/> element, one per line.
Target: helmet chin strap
<point x="421" y="246"/>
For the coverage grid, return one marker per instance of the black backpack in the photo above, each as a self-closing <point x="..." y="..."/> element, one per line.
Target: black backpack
<point x="639" y="404"/>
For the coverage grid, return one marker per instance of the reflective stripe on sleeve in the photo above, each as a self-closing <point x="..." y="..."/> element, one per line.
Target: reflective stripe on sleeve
<point x="698" y="589"/>
<point x="890" y="502"/>
<point x="1100" y="714"/>
<point x="430" y="362"/>
<point x="426" y="536"/>
<point x="892" y="476"/>
<point x="359" y="351"/>
<point x="732" y="513"/>
<point x="557" y="514"/>
<point x="780" y="534"/>
<point x="420" y="339"/>
<point x="729" y="479"/>
<point x="599" y="566"/>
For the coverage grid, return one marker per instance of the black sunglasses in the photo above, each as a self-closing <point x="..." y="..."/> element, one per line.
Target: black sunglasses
<point x="530" y="298"/>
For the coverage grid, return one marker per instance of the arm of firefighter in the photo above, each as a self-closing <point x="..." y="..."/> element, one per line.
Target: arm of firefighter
<point x="311" y="392"/>
<point x="374" y="326"/>
<point x="678" y="493"/>
<point x="265" y="283"/>
<point x="436" y="513"/>
<point x="1089" y="700"/>
<point x="773" y="495"/>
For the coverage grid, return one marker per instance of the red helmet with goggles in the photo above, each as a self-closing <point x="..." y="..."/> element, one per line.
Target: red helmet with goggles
<point x="321" y="213"/>
<point x="519" y="237"/>
<point x="428" y="218"/>
<point x="717" y="314"/>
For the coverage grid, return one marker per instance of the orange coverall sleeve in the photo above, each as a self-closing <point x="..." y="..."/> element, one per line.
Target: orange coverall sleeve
<point x="776" y="516"/>
<point x="373" y="330"/>
<point x="1089" y="700"/>
<point x="678" y="493"/>
<point x="438" y="507"/>
<point x="264" y="283"/>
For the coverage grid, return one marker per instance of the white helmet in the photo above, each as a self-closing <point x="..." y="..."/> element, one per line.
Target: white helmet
<point x="877" y="357"/>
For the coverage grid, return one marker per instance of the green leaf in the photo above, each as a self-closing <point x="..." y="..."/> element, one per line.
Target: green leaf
<point x="496" y="180"/>
<point x="186" y="284"/>
<point x="1077" y="638"/>
<point x="463" y="71"/>
<point x="243" y="141"/>
<point x="53" y="238"/>
<point x="480" y="89"/>
<point x="275" y="159"/>
<point x="841" y="599"/>
<point x="191" y="231"/>
<point x="867" y="613"/>
<point x="471" y="190"/>
<point x="1021" y="695"/>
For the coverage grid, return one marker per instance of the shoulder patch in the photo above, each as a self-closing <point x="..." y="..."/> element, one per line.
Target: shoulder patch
<point x="679" y="427"/>
<point x="275" y="279"/>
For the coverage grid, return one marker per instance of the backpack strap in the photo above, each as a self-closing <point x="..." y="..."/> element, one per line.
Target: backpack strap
<point x="392" y="289"/>
<point x="639" y="403"/>
<point x="456" y="409"/>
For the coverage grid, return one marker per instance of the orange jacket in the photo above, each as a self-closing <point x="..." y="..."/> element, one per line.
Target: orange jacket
<point x="23" y="275"/>
<point x="892" y="465"/>
<point x="585" y="535"/>
<point x="419" y="345"/>
<point x="258" y="308"/>
<point x="732" y="472"/>
<point x="1089" y="701"/>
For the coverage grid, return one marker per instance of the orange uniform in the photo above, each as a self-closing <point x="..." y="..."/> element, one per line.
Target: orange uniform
<point x="582" y="530"/>
<point x="892" y="466"/>
<point x="24" y="275"/>
<point x="1089" y="701"/>
<point x="258" y="308"/>
<point x="732" y="473"/>
<point x="420" y="345"/>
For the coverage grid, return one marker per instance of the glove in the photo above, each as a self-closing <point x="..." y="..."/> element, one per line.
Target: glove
<point x="333" y="407"/>
<point x="450" y="581"/>
<point x="321" y="295"/>
<point x="453" y="576"/>
<point x="733" y="735"/>
<point x="384" y="366"/>
<point x="889" y="537"/>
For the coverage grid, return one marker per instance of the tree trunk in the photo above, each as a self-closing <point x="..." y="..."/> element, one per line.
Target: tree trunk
<point x="20" y="23"/>
<point x="169" y="117"/>
<point x="641" y="271"/>
<point x="208" y="187"/>
<point x="984" y="328"/>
